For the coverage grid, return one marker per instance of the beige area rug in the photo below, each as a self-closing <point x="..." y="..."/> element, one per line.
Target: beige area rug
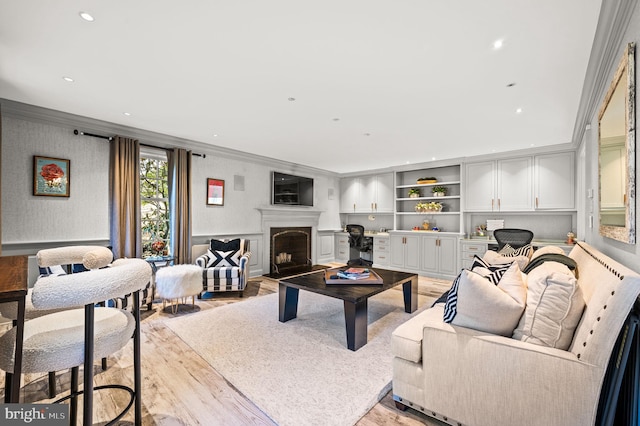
<point x="300" y="372"/>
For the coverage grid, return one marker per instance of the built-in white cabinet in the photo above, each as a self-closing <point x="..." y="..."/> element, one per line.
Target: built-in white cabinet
<point x="413" y="188"/>
<point x="555" y="181"/>
<point x="529" y="183"/>
<point x="405" y="251"/>
<point x="469" y="249"/>
<point x="501" y="185"/>
<point x="381" y="251"/>
<point x="367" y="194"/>
<point x="439" y="254"/>
<point x="325" y="246"/>
<point x="342" y="247"/>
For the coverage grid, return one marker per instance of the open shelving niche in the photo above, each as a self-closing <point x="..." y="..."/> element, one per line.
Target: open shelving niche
<point x="449" y="219"/>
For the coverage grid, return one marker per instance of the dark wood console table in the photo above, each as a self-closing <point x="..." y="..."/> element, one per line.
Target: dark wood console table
<point x="13" y="288"/>
<point x="354" y="296"/>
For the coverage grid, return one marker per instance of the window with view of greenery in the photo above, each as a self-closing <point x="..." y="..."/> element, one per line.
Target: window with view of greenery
<point x="154" y="204"/>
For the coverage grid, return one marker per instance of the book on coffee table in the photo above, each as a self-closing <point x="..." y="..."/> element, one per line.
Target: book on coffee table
<point x="344" y="276"/>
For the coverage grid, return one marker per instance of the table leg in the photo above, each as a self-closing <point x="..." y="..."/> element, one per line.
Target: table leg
<point x="355" y="318"/>
<point x="410" y="292"/>
<point x="14" y="396"/>
<point x="288" y="302"/>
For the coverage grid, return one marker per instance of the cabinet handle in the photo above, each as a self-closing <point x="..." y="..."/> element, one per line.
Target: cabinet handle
<point x="536" y="202"/>
<point x="354" y="207"/>
<point x="381" y="257"/>
<point x="376" y="204"/>
<point x="372" y="208"/>
<point x="492" y="204"/>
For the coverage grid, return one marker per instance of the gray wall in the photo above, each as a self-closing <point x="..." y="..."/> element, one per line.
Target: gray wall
<point x="624" y="253"/>
<point x="33" y="222"/>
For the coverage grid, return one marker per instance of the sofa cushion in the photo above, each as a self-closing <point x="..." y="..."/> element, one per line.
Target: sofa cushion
<point x="406" y="340"/>
<point x="554" y="307"/>
<point x="474" y="302"/>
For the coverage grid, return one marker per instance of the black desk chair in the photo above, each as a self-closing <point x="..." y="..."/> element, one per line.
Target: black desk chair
<point x="516" y="238"/>
<point x="358" y="244"/>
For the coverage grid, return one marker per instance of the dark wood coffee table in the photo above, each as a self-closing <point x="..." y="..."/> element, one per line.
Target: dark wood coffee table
<point x="354" y="297"/>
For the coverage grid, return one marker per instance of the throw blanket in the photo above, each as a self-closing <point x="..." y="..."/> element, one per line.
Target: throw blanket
<point x="552" y="257"/>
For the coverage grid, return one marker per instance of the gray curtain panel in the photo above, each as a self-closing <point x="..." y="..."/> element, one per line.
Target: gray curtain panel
<point x="180" y="202"/>
<point x="124" y="171"/>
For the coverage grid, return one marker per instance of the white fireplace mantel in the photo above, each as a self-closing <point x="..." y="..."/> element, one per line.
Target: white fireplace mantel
<point x="279" y="217"/>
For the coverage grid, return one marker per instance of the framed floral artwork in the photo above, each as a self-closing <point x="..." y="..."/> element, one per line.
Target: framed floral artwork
<point x="215" y="192"/>
<point x="51" y="176"/>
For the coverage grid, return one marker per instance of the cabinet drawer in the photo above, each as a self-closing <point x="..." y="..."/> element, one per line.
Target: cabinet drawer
<point x="478" y="248"/>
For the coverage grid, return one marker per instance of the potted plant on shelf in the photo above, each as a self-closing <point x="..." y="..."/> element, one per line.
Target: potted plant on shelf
<point x="439" y="191"/>
<point x="434" y="207"/>
<point x="414" y="192"/>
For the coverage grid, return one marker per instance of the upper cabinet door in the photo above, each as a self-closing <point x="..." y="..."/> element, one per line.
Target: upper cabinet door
<point x="349" y="190"/>
<point x="554" y="181"/>
<point x="479" y="187"/>
<point x="514" y="182"/>
<point x="384" y="193"/>
<point x="367" y="197"/>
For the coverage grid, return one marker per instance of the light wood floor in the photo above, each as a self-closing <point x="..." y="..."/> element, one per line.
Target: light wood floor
<point x="181" y="388"/>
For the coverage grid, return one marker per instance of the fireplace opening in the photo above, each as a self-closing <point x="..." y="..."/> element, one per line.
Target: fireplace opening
<point x="290" y="251"/>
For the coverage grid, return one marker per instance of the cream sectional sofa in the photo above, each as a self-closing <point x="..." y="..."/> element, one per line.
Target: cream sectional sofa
<point x="467" y="377"/>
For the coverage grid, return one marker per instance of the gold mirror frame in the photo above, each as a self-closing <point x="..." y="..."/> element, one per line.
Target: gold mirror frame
<point x="617" y="185"/>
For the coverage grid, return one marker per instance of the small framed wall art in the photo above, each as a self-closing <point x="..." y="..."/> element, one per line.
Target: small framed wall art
<point x="51" y="176"/>
<point x="215" y="192"/>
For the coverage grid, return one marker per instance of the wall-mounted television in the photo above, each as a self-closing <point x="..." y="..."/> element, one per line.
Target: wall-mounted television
<point x="291" y="190"/>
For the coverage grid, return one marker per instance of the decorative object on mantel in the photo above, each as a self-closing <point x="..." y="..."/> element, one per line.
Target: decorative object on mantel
<point x="426" y="180"/>
<point x="439" y="191"/>
<point x="215" y="192"/>
<point x="414" y="192"/>
<point x="51" y="176"/>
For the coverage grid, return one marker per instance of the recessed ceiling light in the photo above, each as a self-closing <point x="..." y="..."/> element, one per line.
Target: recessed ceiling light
<point x="291" y="99"/>
<point x="336" y="119"/>
<point x="433" y="158"/>
<point x="519" y="110"/>
<point x="87" y="16"/>
<point x="367" y="134"/>
<point x="533" y="144"/>
<point x="498" y="44"/>
<point x="511" y="84"/>
<point x="126" y="113"/>
<point x="215" y="136"/>
<point x="69" y="79"/>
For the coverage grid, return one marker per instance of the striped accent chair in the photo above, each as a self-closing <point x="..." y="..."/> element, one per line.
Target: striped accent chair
<point x="225" y="265"/>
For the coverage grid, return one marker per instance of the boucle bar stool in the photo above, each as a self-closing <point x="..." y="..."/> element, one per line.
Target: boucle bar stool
<point x="178" y="281"/>
<point x="75" y="337"/>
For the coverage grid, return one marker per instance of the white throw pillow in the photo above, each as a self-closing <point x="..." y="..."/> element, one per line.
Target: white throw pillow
<point x="496" y="259"/>
<point x="554" y="307"/>
<point x="483" y="306"/>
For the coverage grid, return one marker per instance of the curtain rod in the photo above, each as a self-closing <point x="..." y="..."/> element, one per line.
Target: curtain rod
<point x="110" y="138"/>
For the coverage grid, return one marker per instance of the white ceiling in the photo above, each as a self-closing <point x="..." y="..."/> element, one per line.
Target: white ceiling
<point x="377" y="83"/>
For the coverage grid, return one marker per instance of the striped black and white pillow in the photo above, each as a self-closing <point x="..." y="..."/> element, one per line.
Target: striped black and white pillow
<point x="508" y="251"/>
<point x="223" y="258"/>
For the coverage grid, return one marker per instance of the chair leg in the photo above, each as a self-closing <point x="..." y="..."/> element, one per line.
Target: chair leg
<point x="87" y="409"/>
<point x="52" y="384"/>
<point x="137" y="370"/>
<point x="75" y="372"/>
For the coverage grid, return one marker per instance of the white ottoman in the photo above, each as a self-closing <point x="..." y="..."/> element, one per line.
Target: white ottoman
<point x="179" y="281"/>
